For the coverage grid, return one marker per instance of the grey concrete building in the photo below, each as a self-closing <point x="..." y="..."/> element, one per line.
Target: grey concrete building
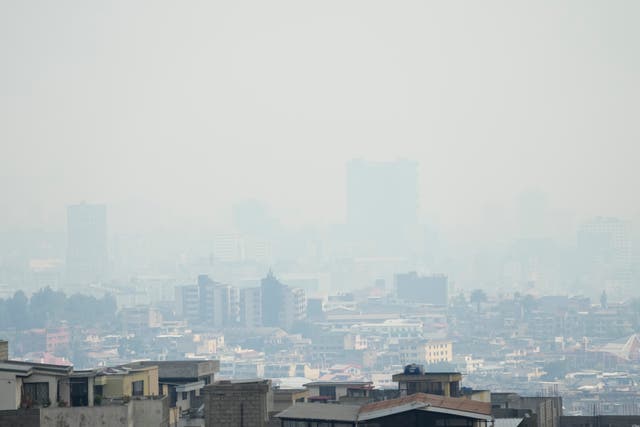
<point x="152" y="412"/>
<point x="238" y="403"/>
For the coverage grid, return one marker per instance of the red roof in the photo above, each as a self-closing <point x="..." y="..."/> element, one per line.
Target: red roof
<point x="454" y="403"/>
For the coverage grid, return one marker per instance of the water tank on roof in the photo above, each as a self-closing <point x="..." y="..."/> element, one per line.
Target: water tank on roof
<point x="414" y="369"/>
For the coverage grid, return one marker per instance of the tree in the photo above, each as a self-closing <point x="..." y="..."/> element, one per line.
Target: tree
<point x="18" y="311"/>
<point x="47" y="305"/>
<point x="478" y="296"/>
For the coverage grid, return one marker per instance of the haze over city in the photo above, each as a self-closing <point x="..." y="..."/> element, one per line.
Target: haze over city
<point x="232" y="213"/>
<point x="170" y="113"/>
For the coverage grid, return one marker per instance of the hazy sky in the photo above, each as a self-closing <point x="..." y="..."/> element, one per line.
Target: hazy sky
<point x="187" y="106"/>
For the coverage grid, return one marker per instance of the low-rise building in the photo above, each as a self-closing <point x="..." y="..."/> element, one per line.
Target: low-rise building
<point x="127" y="381"/>
<point x="411" y="411"/>
<point x="334" y="390"/>
<point x="425" y="352"/>
<point x="26" y="385"/>
<point x="414" y="380"/>
<point x="238" y="403"/>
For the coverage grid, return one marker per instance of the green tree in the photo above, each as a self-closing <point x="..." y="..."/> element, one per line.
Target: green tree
<point x="18" y="311"/>
<point x="46" y="306"/>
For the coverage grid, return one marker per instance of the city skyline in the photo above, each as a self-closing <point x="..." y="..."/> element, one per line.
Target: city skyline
<point x="286" y="213"/>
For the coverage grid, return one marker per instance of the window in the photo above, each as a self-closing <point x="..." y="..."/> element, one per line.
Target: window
<point x="37" y="393"/>
<point x="185" y="395"/>
<point x="354" y="392"/>
<point x="98" y="390"/>
<point x="328" y="391"/>
<point x="137" y="388"/>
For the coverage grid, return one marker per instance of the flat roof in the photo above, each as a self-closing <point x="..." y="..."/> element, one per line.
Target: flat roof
<point x="56" y="369"/>
<point x="281" y="390"/>
<point x="427" y="376"/>
<point x="196" y="385"/>
<point x="507" y="422"/>
<point x="21" y="369"/>
<point x="321" y="411"/>
<point x="338" y="383"/>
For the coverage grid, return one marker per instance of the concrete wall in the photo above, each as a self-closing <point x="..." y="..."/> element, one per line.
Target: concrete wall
<point x="181" y="369"/>
<point x="98" y="416"/>
<point x="150" y="412"/>
<point x="112" y="385"/>
<point x="238" y="404"/>
<point x="4" y="350"/>
<point x="602" y="420"/>
<point x="9" y="391"/>
<point x="20" y="418"/>
<point x="116" y="386"/>
<point x="480" y="396"/>
<point x="283" y="398"/>
<point x="548" y="409"/>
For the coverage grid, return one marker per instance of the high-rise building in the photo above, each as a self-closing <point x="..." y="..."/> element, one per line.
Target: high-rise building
<point x="251" y="307"/>
<point x="87" y="258"/>
<point x="423" y="289"/>
<point x="282" y="306"/>
<point x="188" y="302"/>
<point x="606" y="252"/>
<point x="382" y="204"/>
<point x="219" y="303"/>
<point x="272" y="300"/>
<point x="295" y="306"/>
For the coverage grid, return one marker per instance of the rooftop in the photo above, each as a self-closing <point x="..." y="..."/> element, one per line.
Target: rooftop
<point x="432" y="400"/>
<point x="425" y="402"/>
<point x="43" y="367"/>
<point x="321" y="411"/>
<point x="338" y="383"/>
